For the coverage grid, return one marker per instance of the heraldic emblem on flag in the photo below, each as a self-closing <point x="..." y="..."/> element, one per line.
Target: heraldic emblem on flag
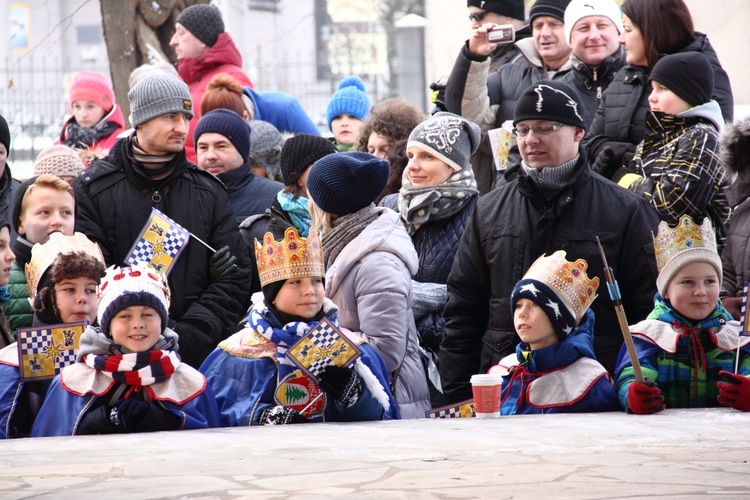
<point x="43" y="351"/>
<point x="323" y="345"/>
<point x="464" y="409"/>
<point x="160" y="243"/>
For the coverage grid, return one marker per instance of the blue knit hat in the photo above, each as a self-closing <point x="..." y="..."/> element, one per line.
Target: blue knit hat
<point x="350" y="99"/>
<point x="344" y="183"/>
<point x="230" y="125"/>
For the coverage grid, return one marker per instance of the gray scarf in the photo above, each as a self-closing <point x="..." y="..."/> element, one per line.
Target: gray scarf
<point x="551" y="180"/>
<point x="345" y="230"/>
<point x="419" y="205"/>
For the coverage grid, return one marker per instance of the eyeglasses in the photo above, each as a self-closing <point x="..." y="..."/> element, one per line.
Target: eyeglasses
<point x="538" y="130"/>
<point x="478" y="16"/>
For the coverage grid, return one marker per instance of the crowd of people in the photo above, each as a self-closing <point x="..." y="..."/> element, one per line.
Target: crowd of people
<point x="435" y="251"/>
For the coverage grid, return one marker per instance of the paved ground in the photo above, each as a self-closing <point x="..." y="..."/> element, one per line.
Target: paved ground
<point x="676" y="454"/>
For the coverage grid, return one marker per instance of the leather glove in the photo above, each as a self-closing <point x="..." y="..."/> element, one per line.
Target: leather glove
<point x="610" y="160"/>
<point x="221" y="262"/>
<point x="130" y="413"/>
<point x="733" y="305"/>
<point x="734" y="391"/>
<point x="281" y="415"/>
<point x="645" y="399"/>
<point x="438" y="94"/>
<point x="342" y="384"/>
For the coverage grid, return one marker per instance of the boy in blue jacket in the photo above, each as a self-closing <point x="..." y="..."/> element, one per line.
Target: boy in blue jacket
<point x="554" y="369"/>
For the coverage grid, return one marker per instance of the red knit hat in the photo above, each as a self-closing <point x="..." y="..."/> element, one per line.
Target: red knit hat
<point x="94" y="87"/>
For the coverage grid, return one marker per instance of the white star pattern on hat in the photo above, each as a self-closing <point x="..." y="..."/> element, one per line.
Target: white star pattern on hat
<point x="555" y="307"/>
<point x="529" y="287"/>
<point x="571" y="102"/>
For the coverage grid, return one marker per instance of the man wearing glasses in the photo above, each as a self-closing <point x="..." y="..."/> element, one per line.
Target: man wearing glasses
<point x="555" y="203"/>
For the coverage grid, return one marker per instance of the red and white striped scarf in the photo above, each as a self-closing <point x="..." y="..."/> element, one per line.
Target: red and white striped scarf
<point x="138" y="368"/>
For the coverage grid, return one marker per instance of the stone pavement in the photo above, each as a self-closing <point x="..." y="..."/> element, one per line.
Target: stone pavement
<point x="676" y="454"/>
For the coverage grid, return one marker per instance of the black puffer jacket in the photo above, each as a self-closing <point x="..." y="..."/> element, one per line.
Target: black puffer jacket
<point x="735" y="156"/>
<point x="114" y="200"/>
<point x="510" y="228"/>
<point x="590" y="83"/>
<point x="620" y="119"/>
<point x="436" y="242"/>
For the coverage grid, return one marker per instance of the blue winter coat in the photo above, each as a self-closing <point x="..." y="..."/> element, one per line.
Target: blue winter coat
<point x="282" y="110"/>
<point x="562" y="378"/>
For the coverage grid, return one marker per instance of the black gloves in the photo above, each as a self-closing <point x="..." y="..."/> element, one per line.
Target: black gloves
<point x="342" y="384"/>
<point x="128" y="415"/>
<point x="280" y="415"/>
<point x="438" y="95"/>
<point x="221" y="262"/>
<point x="129" y="412"/>
<point x="611" y="160"/>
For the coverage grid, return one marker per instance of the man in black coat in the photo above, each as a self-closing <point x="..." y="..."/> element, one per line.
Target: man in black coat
<point x="555" y="203"/>
<point x="148" y="169"/>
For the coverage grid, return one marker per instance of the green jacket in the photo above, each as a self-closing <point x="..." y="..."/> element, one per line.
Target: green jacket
<point x="18" y="309"/>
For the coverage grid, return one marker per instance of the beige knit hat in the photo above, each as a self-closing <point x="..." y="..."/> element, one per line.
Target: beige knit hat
<point x="59" y="160"/>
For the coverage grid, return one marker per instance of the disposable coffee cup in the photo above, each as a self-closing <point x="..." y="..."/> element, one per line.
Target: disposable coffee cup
<point x="486" y="389"/>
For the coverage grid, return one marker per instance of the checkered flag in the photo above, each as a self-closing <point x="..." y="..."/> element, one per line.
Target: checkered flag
<point x="464" y="409"/>
<point x="323" y="345"/>
<point x="160" y="243"/>
<point x="44" y="351"/>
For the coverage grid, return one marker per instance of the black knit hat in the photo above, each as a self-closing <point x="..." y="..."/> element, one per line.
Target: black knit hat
<point x="687" y="74"/>
<point x="229" y="124"/>
<point x="301" y="151"/>
<point x="550" y="100"/>
<point x="18" y="200"/>
<point x="554" y="8"/>
<point x="4" y="134"/>
<point x="203" y="21"/>
<point x="344" y="183"/>
<point x="510" y="8"/>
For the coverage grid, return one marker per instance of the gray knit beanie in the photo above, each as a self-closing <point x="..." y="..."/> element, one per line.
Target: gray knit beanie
<point x="59" y="160"/>
<point x="265" y="149"/>
<point x="158" y="95"/>
<point x="203" y="21"/>
<point x="451" y="138"/>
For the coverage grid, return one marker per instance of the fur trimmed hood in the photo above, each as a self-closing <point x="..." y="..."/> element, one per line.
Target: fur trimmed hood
<point x="734" y="143"/>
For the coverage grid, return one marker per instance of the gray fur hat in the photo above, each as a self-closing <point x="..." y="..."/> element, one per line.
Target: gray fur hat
<point x="157" y="95"/>
<point x="451" y="138"/>
<point x="265" y="149"/>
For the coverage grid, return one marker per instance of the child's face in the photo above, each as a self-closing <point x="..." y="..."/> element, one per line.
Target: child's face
<point x="346" y="129"/>
<point x="301" y="296"/>
<point x="76" y="299"/>
<point x="533" y="325"/>
<point x="664" y="100"/>
<point x="694" y="290"/>
<point x="87" y="113"/>
<point x="136" y="327"/>
<point x="6" y="256"/>
<point x="45" y="211"/>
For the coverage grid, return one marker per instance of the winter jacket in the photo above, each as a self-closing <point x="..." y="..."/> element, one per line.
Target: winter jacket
<point x="243" y="373"/>
<point x="197" y="72"/>
<point x="590" y="83"/>
<point x="436" y="242"/>
<point x="683" y="357"/>
<point x="370" y="282"/>
<point x="18" y="309"/>
<point x="620" y="119"/>
<point x="8" y="187"/>
<point x="679" y="168"/>
<point x="735" y="258"/>
<point x="20" y="401"/>
<point x="114" y="201"/>
<point x="562" y="378"/>
<point x="102" y="146"/>
<point x="249" y="194"/>
<point x="510" y="228"/>
<point x="281" y="110"/>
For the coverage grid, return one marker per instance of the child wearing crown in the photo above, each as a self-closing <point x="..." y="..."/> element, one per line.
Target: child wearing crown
<point x="687" y="346"/>
<point x="253" y="379"/>
<point x="554" y="369"/>
<point x="128" y="376"/>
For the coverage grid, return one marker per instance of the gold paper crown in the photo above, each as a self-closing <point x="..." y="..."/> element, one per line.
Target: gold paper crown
<point x="685" y="236"/>
<point x="44" y="255"/>
<point x="567" y="279"/>
<point x="292" y="257"/>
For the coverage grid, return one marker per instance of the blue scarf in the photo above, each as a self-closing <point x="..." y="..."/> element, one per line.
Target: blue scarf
<point x="297" y="210"/>
<point x="294" y="389"/>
